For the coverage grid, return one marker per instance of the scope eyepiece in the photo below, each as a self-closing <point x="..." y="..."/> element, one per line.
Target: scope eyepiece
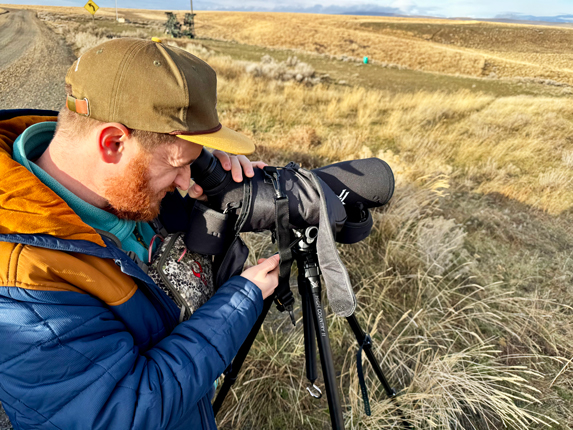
<point x="208" y="173"/>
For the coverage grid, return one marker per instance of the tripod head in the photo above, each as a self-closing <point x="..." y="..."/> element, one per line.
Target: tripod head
<point x="306" y="239"/>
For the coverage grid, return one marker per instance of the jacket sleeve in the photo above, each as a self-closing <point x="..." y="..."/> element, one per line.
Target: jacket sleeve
<point x="76" y="366"/>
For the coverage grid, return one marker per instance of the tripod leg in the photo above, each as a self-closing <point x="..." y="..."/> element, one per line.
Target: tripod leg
<point x="319" y="318"/>
<point x="361" y="337"/>
<point x="365" y="341"/>
<point x="233" y="370"/>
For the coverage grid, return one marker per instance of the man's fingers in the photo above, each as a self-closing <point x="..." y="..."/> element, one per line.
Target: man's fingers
<point x="224" y="158"/>
<point x="246" y="165"/>
<point x="195" y="190"/>
<point x="238" y="165"/>
<point x="236" y="169"/>
<point x="258" y="164"/>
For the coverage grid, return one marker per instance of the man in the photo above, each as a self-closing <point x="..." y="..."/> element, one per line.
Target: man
<point x="89" y="341"/>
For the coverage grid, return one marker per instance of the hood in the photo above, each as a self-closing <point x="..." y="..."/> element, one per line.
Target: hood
<point x="27" y="206"/>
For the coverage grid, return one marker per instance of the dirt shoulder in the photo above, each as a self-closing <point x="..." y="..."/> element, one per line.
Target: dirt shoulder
<point x="4" y="421"/>
<point x="17" y="34"/>
<point x="33" y="64"/>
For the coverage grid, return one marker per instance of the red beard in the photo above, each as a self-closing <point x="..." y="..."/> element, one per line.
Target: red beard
<point x="130" y="195"/>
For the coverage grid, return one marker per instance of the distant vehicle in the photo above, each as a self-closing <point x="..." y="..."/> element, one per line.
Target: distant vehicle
<point x="175" y="29"/>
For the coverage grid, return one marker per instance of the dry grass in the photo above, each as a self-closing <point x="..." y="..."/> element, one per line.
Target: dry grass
<point x="432" y="333"/>
<point x="465" y="283"/>
<point x="481" y="49"/>
<point x="451" y="47"/>
<point x="434" y="326"/>
<point x="514" y="146"/>
<point x="83" y="34"/>
<point x="466" y="355"/>
<point x="290" y="70"/>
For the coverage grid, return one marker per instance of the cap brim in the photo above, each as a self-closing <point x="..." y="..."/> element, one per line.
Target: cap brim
<point x="225" y="139"/>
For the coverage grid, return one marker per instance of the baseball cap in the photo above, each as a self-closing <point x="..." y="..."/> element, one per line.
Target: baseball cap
<point x="147" y="85"/>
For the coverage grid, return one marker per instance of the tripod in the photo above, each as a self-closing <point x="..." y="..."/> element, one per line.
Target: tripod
<point x="315" y="332"/>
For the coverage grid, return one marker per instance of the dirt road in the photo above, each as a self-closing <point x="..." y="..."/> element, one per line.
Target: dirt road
<point x="4" y="421"/>
<point x="33" y="62"/>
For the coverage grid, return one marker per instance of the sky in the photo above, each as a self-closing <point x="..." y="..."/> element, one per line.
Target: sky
<point x="439" y="8"/>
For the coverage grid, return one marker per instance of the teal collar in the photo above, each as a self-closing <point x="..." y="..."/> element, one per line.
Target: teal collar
<point x="30" y="145"/>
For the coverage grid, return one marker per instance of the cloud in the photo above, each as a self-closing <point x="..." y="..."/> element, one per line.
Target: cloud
<point x="406" y="6"/>
<point x="409" y="7"/>
<point x="295" y="7"/>
<point x="396" y="7"/>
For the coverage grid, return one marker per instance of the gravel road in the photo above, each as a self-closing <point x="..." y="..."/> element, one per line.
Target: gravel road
<point x="33" y="63"/>
<point x="4" y="421"/>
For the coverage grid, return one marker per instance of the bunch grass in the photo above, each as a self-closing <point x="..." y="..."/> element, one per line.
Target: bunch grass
<point x="464" y="283"/>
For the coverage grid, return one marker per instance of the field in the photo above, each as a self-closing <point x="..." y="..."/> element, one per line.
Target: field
<point x="466" y="282"/>
<point x="472" y="48"/>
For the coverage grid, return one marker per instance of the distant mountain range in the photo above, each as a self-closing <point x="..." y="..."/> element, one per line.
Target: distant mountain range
<point x="507" y="17"/>
<point x="520" y="17"/>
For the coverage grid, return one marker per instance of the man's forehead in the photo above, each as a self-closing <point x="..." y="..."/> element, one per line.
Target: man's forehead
<point x="179" y="152"/>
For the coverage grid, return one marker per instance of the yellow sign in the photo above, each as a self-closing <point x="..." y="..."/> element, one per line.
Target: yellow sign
<point x="91" y="7"/>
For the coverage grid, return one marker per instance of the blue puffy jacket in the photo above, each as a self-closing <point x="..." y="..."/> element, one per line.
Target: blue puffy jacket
<point x="88" y="340"/>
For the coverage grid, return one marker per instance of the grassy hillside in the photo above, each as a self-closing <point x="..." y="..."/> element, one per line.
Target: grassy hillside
<point x="480" y="49"/>
<point x="466" y="277"/>
<point x="466" y="282"/>
<point x="443" y="46"/>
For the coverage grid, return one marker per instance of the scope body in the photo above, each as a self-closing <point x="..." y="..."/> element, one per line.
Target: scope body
<point x="336" y="199"/>
<point x="358" y="184"/>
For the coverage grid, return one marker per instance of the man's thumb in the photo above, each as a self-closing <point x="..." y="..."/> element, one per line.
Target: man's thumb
<point x="271" y="263"/>
<point x="195" y="191"/>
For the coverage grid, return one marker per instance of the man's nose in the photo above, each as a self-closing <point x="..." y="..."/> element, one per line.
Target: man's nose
<point x="183" y="178"/>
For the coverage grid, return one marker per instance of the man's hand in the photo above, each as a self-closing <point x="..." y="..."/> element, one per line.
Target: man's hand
<point x="264" y="275"/>
<point x="237" y="164"/>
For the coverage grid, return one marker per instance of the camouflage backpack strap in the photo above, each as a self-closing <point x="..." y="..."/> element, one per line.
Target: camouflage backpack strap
<point x="185" y="276"/>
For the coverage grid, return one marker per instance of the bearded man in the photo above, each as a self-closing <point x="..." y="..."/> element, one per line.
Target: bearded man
<point x="92" y="336"/>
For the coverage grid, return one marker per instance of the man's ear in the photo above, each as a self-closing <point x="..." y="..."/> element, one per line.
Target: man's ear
<point x="111" y="139"/>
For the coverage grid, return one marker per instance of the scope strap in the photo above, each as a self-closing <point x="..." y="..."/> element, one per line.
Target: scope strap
<point x="367" y="341"/>
<point x="283" y="294"/>
<point x="245" y="205"/>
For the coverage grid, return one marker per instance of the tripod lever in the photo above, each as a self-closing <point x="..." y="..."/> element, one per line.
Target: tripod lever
<point x="288" y="307"/>
<point x="291" y="314"/>
<point x="317" y="394"/>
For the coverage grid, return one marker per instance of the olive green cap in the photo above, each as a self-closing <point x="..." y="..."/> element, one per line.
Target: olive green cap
<point x="146" y="85"/>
